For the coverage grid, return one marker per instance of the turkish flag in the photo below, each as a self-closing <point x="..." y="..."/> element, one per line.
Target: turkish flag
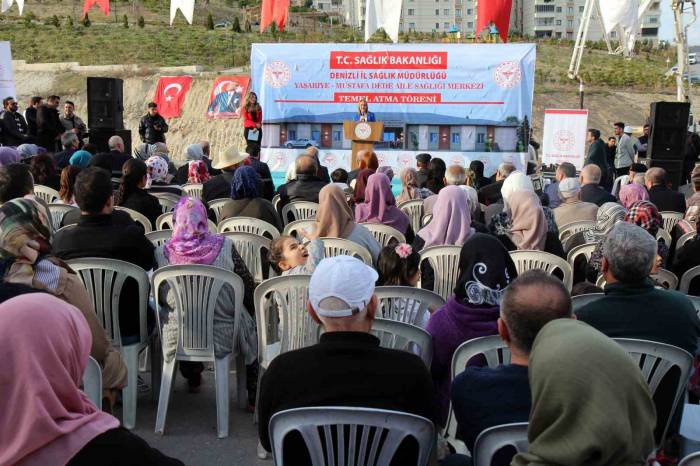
<point x="273" y="11"/>
<point x="103" y="4"/>
<point x="170" y="94"/>
<point x="497" y="11"/>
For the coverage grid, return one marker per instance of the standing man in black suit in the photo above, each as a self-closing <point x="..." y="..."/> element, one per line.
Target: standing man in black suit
<point x="48" y="124"/>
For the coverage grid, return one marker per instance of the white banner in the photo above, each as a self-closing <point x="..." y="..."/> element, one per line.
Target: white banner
<point x="565" y="137"/>
<point x="383" y="14"/>
<point x="7" y="80"/>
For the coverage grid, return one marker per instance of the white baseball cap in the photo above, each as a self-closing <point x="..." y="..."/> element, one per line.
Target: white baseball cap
<point x="627" y="130"/>
<point x="569" y="187"/>
<point x="345" y="278"/>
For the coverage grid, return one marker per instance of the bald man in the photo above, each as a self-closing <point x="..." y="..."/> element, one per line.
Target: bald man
<point x="116" y="154"/>
<point x="591" y="190"/>
<point x="307" y="185"/>
<point x="664" y="198"/>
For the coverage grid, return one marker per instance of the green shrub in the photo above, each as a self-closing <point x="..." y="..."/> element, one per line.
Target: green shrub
<point x="125" y="22"/>
<point x="141" y="22"/>
<point x="236" y="25"/>
<point x="210" y="22"/>
<point x="86" y="21"/>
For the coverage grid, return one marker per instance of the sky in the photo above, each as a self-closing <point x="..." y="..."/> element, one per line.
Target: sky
<point x="667" y="27"/>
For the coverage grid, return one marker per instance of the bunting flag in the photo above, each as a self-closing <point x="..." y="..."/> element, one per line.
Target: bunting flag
<point x="496" y="11"/>
<point x="186" y="7"/>
<point x="170" y="94"/>
<point x="383" y="14"/>
<point x="273" y="11"/>
<point x="626" y="15"/>
<point x="103" y="4"/>
<point x="6" y="4"/>
<point x="227" y="96"/>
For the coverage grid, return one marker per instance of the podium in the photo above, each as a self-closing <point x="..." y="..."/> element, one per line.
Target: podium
<point x="363" y="136"/>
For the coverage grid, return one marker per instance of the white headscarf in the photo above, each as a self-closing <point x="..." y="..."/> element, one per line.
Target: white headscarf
<point x="516" y="181"/>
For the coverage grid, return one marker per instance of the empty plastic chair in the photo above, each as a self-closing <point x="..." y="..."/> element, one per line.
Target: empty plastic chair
<point x="300" y="210"/>
<point x="406" y="304"/>
<point x="138" y="218"/>
<point x="688" y="277"/>
<point x="540" y="260"/>
<point x="444" y="260"/>
<point x="292" y="228"/>
<point x="414" y="210"/>
<point x="344" y="247"/>
<point x="92" y="382"/>
<point x="217" y="206"/>
<point x="159" y="237"/>
<point x="384" y="234"/>
<point x="491" y="440"/>
<point x="253" y="249"/>
<point x="46" y="194"/>
<point x="58" y="211"/>
<point x="671" y="219"/>
<point x="248" y="225"/>
<point x="194" y="190"/>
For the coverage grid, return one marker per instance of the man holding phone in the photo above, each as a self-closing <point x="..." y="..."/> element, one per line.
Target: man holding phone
<point x="153" y="126"/>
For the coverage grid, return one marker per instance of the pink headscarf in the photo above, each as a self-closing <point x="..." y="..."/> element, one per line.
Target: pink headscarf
<point x="197" y="172"/>
<point x="631" y="193"/>
<point x="191" y="242"/>
<point x="528" y="228"/>
<point x="45" y="343"/>
<point x="379" y="205"/>
<point x="451" y="223"/>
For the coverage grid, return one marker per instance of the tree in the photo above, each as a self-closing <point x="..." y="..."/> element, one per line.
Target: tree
<point x="55" y="21"/>
<point x="236" y="25"/>
<point x="273" y="28"/>
<point x="69" y="22"/>
<point x="125" y="22"/>
<point x="210" y="22"/>
<point x="248" y="27"/>
<point x="141" y="22"/>
<point x="86" y="21"/>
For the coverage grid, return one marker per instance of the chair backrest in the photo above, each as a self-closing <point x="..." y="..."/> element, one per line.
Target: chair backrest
<point x="300" y="210"/>
<point x="138" y="218"/>
<point x="667" y="278"/>
<point x="275" y="201"/>
<point x="574" y="227"/>
<point x="104" y="280"/>
<point x="196" y="289"/>
<point x="671" y="219"/>
<point x="491" y="440"/>
<point x="540" y="260"/>
<point x="167" y="201"/>
<point x="688" y="277"/>
<point x="584" y="250"/>
<point x="351" y="435"/>
<point x="684" y="239"/>
<point x="665" y="235"/>
<point x="402" y="336"/>
<point x="248" y="225"/>
<point x="406" y="304"/>
<point x="159" y="237"/>
<point x="291" y="228"/>
<point x="655" y="360"/>
<point x="691" y="460"/>
<point x="444" y="261"/>
<point x="384" y="234"/>
<point x="194" y="190"/>
<point x="46" y="194"/>
<point x="281" y="315"/>
<point x="165" y="222"/>
<point x="251" y="247"/>
<point x="217" y="206"/>
<point x="414" y="210"/>
<point x="617" y="184"/>
<point x="58" y="211"/>
<point x="577" y="302"/>
<point x="344" y="247"/>
<point x="92" y="382"/>
<point x="425" y="219"/>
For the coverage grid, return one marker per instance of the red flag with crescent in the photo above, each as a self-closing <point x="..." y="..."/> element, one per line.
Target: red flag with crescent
<point x="103" y="4"/>
<point x="170" y="94"/>
<point x="273" y="11"/>
<point x="227" y="96"/>
<point x="496" y="11"/>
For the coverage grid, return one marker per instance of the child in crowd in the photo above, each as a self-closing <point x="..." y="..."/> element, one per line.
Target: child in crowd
<point x="398" y="265"/>
<point x="289" y="256"/>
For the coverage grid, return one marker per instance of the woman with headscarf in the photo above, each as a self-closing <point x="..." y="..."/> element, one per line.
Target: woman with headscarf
<point x="379" y="206"/>
<point x="387" y="170"/>
<point x="192" y="243"/>
<point x="9" y="155"/>
<point x="193" y="153"/>
<point x="619" y="415"/>
<point x="25" y="259"/>
<point x="451" y="224"/>
<point x="132" y="193"/>
<point x="361" y="185"/>
<point x="631" y="193"/>
<point x="44" y="171"/>
<point x="246" y="200"/>
<point x="197" y="172"/>
<point x="159" y="177"/>
<point x="144" y="151"/>
<point x="436" y="175"/>
<point x="409" y="187"/>
<point x="80" y="158"/>
<point x="688" y="256"/>
<point x="334" y="219"/>
<point x="45" y="344"/>
<point x="645" y="214"/>
<point x="27" y="151"/>
<point x="608" y="215"/>
<point x="485" y="270"/>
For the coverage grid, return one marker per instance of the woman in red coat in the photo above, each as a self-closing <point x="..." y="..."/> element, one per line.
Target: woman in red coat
<point x="252" y="124"/>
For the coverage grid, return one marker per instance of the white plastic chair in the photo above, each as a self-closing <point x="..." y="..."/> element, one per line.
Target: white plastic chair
<point x="292" y="228"/>
<point x="344" y="247"/>
<point x="655" y="360"/>
<point x="300" y="210"/>
<point x="384" y="234"/>
<point x="275" y="201"/>
<point x="406" y="304"/>
<point x="331" y="432"/>
<point x="248" y="225"/>
<point x="194" y="190"/>
<point x="46" y="194"/>
<point x="665" y="235"/>
<point x="104" y="280"/>
<point x="138" y="218"/>
<point x="165" y="222"/>
<point x="667" y="278"/>
<point x="671" y="219"/>
<point x="58" y="211"/>
<point x="617" y="184"/>
<point x="425" y="219"/>
<point x="217" y="206"/>
<point x="167" y="201"/>
<point x="496" y="353"/>
<point x="402" y="336"/>
<point x="92" y="382"/>
<point x="159" y="237"/>
<point x="577" y="302"/>
<point x="491" y="440"/>
<point x="684" y="239"/>
<point x="574" y="227"/>
<point x="196" y="289"/>
<point x="540" y="260"/>
<point x="584" y="250"/>
<point x="414" y="210"/>
<point x="692" y="459"/>
<point x="251" y="248"/>
<point x="444" y="261"/>
<point x="688" y="277"/>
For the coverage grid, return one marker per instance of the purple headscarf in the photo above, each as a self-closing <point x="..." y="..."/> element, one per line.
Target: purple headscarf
<point x="451" y="223"/>
<point x="191" y="242"/>
<point x="379" y="205"/>
<point x="9" y="155"/>
<point x="631" y="193"/>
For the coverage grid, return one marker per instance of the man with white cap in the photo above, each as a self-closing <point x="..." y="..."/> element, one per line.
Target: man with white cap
<point x="219" y="186"/>
<point x="572" y="209"/>
<point x="347" y="367"/>
<point x="624" y="155"/>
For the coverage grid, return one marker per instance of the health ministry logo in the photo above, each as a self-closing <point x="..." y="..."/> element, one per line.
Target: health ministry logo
<point x="277" y="74"/>
<point x="508" y="74"/>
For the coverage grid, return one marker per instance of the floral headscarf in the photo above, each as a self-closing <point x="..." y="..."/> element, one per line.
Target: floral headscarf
<point x="244" y="184"/>
<point x="157" y="170"/>
<point x="646" y="215"/>
<point x="191" y="242"/>
<point x="197" y="172"/>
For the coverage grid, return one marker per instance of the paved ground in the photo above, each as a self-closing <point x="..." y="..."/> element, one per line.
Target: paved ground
<point x="190" y="430"/>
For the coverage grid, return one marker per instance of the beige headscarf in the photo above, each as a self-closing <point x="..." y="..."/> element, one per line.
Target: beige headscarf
<point x="528" y="224"/>
<point x="408" y="185"/>
<point x="334" y="217"/>
<point x="590" y="403"/>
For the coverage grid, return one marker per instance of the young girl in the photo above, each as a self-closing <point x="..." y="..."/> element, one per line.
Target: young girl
<point x="398" y="265"/>
<point x="288" y="256"/>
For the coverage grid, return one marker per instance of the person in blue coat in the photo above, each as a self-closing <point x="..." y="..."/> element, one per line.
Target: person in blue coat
<point x="363" y="113"/>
